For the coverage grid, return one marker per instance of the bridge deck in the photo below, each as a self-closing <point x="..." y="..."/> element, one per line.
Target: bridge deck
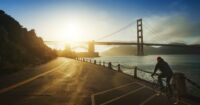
<point x="131" y="43"/>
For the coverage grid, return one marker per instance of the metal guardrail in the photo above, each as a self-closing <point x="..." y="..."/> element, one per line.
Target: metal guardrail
<point x="144" y="71"/>
<point x="135" y="68"/>
<point x="192" y="83"/>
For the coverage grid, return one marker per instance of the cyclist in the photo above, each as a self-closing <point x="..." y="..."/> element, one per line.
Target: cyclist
<point x="166" y="72"/>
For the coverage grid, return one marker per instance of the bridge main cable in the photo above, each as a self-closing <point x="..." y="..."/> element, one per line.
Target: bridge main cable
<point x="118" y="31"/>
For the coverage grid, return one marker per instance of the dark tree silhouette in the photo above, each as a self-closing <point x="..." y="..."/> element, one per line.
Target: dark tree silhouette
<point x="20" y="46"/>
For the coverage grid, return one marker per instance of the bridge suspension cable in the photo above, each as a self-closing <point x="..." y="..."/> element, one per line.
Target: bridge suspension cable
<point x="150" y="29"/>
<point x="118" y="31"/>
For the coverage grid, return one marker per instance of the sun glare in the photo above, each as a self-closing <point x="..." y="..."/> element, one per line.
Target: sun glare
<point x="73" y="32"/>
<point x="70" y="30"/>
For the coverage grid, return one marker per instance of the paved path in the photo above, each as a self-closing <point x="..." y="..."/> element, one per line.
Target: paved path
<point x="69" y="82"/>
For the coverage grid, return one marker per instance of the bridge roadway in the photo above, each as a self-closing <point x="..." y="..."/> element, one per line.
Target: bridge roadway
<point x="147" y="44"/>
<point x="68" y="82"/>
<point x="131" y="43"/>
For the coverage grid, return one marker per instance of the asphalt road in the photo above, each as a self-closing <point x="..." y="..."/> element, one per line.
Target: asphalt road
<point x="68" y="82"/>
<point x="59" y="82"/>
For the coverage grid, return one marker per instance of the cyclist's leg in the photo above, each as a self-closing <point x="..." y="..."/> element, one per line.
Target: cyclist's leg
<point x="168" y="80"/>
<point x="175" y="91"/>
<point x="169" y="86"/>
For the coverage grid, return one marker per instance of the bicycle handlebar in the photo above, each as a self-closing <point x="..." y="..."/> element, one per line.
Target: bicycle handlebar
<point x="156" y="74"/>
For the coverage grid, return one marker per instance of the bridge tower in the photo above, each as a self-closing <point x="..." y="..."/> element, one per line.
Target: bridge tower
<point x="140" y="48"/>
<point x="91" y="47"/>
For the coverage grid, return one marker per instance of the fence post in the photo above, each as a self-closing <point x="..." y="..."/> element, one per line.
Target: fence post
<point x="119" y="68"/>
<point x="100" y="63"/>
<point x="135" y="72"/>
<point x="179" y="83"/>
<point x="94" y="61"/>
<point x="90" y="61"/>
<point x="110" y="65"/>
<point x="104" y="64"/>
<point x="83" y="59"/>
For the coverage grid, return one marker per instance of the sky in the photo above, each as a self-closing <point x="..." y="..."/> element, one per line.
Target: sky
<point x="164" y="21"/>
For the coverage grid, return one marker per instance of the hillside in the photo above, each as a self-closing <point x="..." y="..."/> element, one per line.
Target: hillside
<point x="19" y="46"/>
<point x="132" y="50"/>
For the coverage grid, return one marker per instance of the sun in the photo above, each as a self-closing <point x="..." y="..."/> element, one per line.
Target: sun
<point x="73" y="32"/>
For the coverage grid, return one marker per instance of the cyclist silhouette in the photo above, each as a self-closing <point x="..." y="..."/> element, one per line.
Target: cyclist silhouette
<point x="165" y="70"/>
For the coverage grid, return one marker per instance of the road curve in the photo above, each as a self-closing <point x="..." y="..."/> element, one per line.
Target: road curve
<point x="60" y="82"/>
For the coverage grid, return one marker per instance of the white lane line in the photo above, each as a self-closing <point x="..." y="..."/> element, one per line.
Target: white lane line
<point x="158" y="91"/>
<point x="148" y="99"/>
<point x="117" y="98"/>
<point x="92" y="96"/>
<point x="105" y="91"/>
<point x="29" y="80"/>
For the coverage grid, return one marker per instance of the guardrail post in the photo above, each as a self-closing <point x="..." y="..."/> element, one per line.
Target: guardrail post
<point x="135" y="72"/>
<point x="110" y="65"/>
<point x="179" y="83"/>
<point x="104" y="64"/>
<point x="83" y="59"/>
<point x="119" y="68"/>
<point x="95" y="61"/>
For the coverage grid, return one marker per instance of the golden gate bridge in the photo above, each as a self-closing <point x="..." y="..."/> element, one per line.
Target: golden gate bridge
<point x="139" y="43"/>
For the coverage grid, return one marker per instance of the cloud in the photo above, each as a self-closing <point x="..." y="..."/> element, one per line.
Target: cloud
<point x="171" y="28"/>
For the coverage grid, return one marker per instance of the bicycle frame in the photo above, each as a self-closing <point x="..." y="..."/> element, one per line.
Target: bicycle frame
<point x="167" y="91"/>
